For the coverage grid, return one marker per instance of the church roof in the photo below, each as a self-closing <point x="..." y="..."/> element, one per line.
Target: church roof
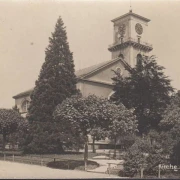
<point x="130" y="13"/>
<point x="23" y="93"/>
<point x="92" y="69"/>
<point x="80" y="74"/>
<point x="84" y="71"/>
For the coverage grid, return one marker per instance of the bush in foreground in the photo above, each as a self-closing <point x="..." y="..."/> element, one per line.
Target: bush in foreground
<point x="143" y="155"/>
<point x="72" y="164"/>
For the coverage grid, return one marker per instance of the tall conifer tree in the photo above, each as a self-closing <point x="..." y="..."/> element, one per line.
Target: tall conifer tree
<point x="56" y="82"/>
<point x="57" y="79"/>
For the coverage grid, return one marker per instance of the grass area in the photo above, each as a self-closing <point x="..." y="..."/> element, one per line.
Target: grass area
<point x="165" y="176"/>
<point x="73" y="164"/>
<point x="64" y="156"/>
<point x="45" y="158"/>
<point x="168" y="174"/>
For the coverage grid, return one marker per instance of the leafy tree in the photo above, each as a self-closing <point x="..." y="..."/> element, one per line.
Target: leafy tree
<point x="134" y="159"/>
<point x="126" y="141"/>
<point x="81" y="115"/>
<point x="122" y="123"/>
<point x="56" y="82"/>
<point x="49" y="138"/>
<point x="171" y="115"/>
<point x="18" y="136"/>
<point x="164" y="139"/>
<point x="147" y="90"/>
<point x="143" y="155"/>
<point x="170" y="125"/>
<point x="10" y="122"/>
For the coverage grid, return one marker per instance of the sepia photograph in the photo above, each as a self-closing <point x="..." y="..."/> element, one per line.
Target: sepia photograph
<point x="89" y="89"/>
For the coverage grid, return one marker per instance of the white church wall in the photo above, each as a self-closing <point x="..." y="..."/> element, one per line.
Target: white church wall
<point x="106" y="74"/>
<point x="101" y="90"/>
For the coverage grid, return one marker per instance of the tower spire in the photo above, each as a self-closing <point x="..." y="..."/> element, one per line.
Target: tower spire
<point x="130" y="10"/>
<point x="132" y="30"/>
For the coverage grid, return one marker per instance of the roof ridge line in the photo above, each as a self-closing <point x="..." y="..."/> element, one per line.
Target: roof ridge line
<point x="97" y="69"/>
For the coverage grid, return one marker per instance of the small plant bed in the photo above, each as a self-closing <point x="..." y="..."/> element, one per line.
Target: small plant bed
<point x="72" y="164"/>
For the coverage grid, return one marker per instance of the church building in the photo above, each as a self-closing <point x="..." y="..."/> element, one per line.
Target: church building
<point x="129" y="41"/>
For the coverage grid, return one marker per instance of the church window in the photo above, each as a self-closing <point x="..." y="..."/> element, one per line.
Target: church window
<point x="118" y="70"/>
<point x="25" y="106"/>
<point x="139" y="40"/>
<point x="121" y="56"/>
<point x="139" y="58"/>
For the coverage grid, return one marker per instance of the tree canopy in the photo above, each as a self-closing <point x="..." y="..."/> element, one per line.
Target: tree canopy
<point x="55" y="83"/>
<point x="170" y="125"/>
<point x="147" y="90"/>
<point x="57" y="79"/>
<point x="82" y="115"/>
<point x="10" y="122"/>
<point x="143" y="155"/>
<point x="171" y="115"/>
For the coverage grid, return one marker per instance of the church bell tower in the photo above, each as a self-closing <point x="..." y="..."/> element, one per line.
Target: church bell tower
<point x="130" y="37"/>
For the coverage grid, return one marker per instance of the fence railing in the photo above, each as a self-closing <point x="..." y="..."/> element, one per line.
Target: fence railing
<point x="32" y="159"/>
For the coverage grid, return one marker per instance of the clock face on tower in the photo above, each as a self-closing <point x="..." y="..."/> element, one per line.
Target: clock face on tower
<point x="139" y="28"/>
<point x="121" y="29"/>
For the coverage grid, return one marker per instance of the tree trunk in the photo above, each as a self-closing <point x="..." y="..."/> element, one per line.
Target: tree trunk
<point x="114" y="148"/>
<point x="4" y="141"/>
<point x="151" y="141"/>
<point x="141" y="172"/>
<point x="94" y="150"/>
<point x="85" y="153"/>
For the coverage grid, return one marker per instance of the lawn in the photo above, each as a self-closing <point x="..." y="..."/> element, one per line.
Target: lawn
<point x="45" y="158"/>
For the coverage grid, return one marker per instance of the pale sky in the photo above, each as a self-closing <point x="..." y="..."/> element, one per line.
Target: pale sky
<point x="25" y="27"/>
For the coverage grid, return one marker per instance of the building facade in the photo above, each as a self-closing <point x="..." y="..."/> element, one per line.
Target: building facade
<point x="130" y="41"/>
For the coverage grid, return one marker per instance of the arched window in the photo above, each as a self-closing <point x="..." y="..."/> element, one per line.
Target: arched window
<point x="139" y="58"/>
<point x="121" y="56"/>
<point x="25" y="106"/>
<point x="118" y="71"/>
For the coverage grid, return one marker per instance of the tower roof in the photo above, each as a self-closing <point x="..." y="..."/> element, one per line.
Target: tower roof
<point x="130" y="13"/>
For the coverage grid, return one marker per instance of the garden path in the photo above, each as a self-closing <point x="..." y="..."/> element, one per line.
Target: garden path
<point x="13" y="170"/>
<point x="104" y="164"/>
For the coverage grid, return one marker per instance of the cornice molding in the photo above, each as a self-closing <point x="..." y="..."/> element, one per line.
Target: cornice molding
<point x="130" y="42"/>
<point x="94" y="81"/>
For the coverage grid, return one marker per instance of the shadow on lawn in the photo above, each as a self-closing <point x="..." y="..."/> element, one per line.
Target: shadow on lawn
<point x="72" y="164"/>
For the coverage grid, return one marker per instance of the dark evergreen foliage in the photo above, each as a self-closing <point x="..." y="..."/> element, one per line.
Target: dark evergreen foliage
<point x="56" y="82"/>
<point x="170" y="125"/>
<point x="147" y="90"/>
<point x="57" y="79"/>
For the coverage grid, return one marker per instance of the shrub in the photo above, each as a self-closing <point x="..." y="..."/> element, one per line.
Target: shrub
<point x="72" y="164"/>
<point x="143" y="154"/>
